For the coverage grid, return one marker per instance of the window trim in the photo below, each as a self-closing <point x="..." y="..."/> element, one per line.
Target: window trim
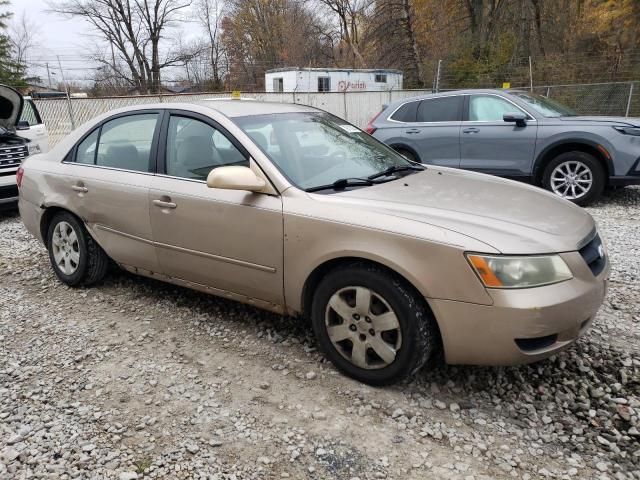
<point x="161" y="167"/>
<point x="71" y="157"/>
<point x="445" y="123"/>
<point x="467" y="104"/>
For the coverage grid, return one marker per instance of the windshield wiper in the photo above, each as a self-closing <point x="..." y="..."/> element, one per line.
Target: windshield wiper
<point x="395" y="169"/>
<point x="343" y="183"/>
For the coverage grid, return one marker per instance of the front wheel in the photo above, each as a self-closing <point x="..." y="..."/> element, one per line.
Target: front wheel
<point x="371" y="325"/>
<point x="576" y="176"/>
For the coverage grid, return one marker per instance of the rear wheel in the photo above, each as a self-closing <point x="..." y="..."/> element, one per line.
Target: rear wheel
<point x="371" y="324"/>
<point x="75" y="257"/>
<point x="576" y="176"/>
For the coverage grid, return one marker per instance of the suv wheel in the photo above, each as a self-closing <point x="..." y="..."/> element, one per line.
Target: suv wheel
<point x="576" y="176"/>
<point x="75" y="257"/>
<point x="371" y="325"/>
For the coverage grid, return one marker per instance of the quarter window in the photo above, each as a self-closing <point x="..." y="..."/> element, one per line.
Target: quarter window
<point x="194" y="148"/>
<point x="406" y="113"/>
<point x="124" y="143"/>
<point x="86" y="152"/>
<point x="443" y="109"/>
<point x="485" y="108"/>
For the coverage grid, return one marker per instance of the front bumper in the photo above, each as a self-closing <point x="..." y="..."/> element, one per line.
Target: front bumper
<point x="8" y="188"/>
<point x="524" y="325"/>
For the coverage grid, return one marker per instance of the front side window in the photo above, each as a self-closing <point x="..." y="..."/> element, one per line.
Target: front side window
<point x="443" y="109"/>
<point x="486" y="108"/>
<point x="125" y="142"/>
<point x="315" y="149"/>
<point x="194" y="148"/>
<point x="324" y="84"/>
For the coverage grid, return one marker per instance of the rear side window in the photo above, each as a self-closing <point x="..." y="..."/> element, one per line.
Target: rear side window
<point x="444" y="109"/>
<point x="406" y="113"/>
<point x="124" y="142"/>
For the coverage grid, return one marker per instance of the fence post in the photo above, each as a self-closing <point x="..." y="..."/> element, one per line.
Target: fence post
<point x="548" y="92"/>
<point x="629" y="100"/>
<point x="530" y="74"/>
<point x="344" y="102"/>
<point x="437" y="86"/>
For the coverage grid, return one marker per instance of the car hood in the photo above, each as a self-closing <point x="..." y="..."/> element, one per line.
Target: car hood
<point x="509" y="216"/>
<point x="597" y="119"/>
<point x="11" y="103"/>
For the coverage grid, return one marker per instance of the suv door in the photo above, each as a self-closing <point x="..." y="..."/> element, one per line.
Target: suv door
<point x="37" y="131"/>
<point x="228" y="240"/>
<point x="108" y="175"/>
<point x="432" y="128"/>
<point x="491" y="145"/>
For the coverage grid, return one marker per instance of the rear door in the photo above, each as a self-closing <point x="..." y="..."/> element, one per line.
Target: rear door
<point x="432" y="128"/>
<point x="491" y="145"/>
<point x="107" y="181"/>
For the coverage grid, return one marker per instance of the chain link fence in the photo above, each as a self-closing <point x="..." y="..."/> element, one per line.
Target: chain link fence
<point x="62" y="115"/>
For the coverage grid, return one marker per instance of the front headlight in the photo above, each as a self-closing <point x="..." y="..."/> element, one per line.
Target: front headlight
<point x="519" y="271"/>
<point x="33" y="148"/>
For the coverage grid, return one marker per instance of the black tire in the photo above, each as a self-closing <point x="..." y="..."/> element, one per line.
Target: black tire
<point x="592" y="163"/>
<point x="417" y="326"/>
<point x="92" y="263"/>
<point x="407" y="154"/>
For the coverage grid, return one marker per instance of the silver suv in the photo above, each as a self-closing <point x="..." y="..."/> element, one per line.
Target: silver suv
<point x="515" y="134"/>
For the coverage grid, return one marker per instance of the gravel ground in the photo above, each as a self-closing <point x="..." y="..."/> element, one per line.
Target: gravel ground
<point x="135" y="378"/>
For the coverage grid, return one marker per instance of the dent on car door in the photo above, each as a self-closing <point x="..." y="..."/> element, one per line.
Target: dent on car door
<point x="108" y="183"/>
<point x="228" y="240"/>
<point x="489" y="144"/>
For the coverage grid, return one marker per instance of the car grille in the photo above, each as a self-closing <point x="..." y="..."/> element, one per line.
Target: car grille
<point x="13" y="156"/>
<point x="8" y="191"/>
<point x="594" y="256"/>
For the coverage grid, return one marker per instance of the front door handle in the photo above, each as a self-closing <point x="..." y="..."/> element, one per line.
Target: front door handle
<point x="413" y="130"/>
<point x="471" y="130"/>
<point x="80" y="188"/>
<point x="163" y="204"/>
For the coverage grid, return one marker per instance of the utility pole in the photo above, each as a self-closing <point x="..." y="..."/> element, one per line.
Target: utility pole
<point x="530" y="74"/>
<point x="49" y="76"/>
<point x="437" y="82"/>
<point x="66" y="87"/>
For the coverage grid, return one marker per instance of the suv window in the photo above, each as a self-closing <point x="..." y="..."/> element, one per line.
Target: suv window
<point x="443" y="109"/>
<point x="30" y="113"/>
<point x="194" y="148"/>
<point x="489" y="108"/>
<point x="406" y="113"/>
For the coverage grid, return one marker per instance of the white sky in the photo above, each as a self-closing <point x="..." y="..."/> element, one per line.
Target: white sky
<point x="71" y="39"/>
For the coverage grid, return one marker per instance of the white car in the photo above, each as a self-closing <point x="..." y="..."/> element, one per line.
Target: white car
<point x="22" y="133"/>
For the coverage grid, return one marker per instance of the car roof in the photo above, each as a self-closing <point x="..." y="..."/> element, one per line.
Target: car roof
<point x="242" y="108"/>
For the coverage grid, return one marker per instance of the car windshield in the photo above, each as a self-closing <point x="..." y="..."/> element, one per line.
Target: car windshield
<point x="545" y="106"/>
<point x="314" y="149"/>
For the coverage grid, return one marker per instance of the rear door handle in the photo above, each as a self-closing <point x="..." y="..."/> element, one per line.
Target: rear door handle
<point x="471" y="130"/>
<point x="413" y="130"/>
<point x="163" y="204"/>
<point x="80" y="188"/>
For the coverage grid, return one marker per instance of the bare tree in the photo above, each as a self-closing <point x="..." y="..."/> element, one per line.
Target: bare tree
<point x="134" y="29"/>
<point x="23" y="37"/>
<point x="209" y="15"/>
<point x="350" y="17"/>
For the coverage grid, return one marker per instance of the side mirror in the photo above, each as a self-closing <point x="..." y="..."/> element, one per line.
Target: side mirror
<point x="23" y="125"/>
<point x="235" y="178"/>
<point x="519" y="118"/>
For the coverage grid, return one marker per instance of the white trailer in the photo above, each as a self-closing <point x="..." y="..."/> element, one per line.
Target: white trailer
<point x="296" y="79"/>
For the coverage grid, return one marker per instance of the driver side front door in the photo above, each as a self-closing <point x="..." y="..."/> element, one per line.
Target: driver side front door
<point x="230" y="241"/>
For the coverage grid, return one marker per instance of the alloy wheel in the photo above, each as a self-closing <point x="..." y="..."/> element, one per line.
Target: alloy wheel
<point x="571" y="180"/>
<point x="66" y="249"/>
<point x="363" y="327"/>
